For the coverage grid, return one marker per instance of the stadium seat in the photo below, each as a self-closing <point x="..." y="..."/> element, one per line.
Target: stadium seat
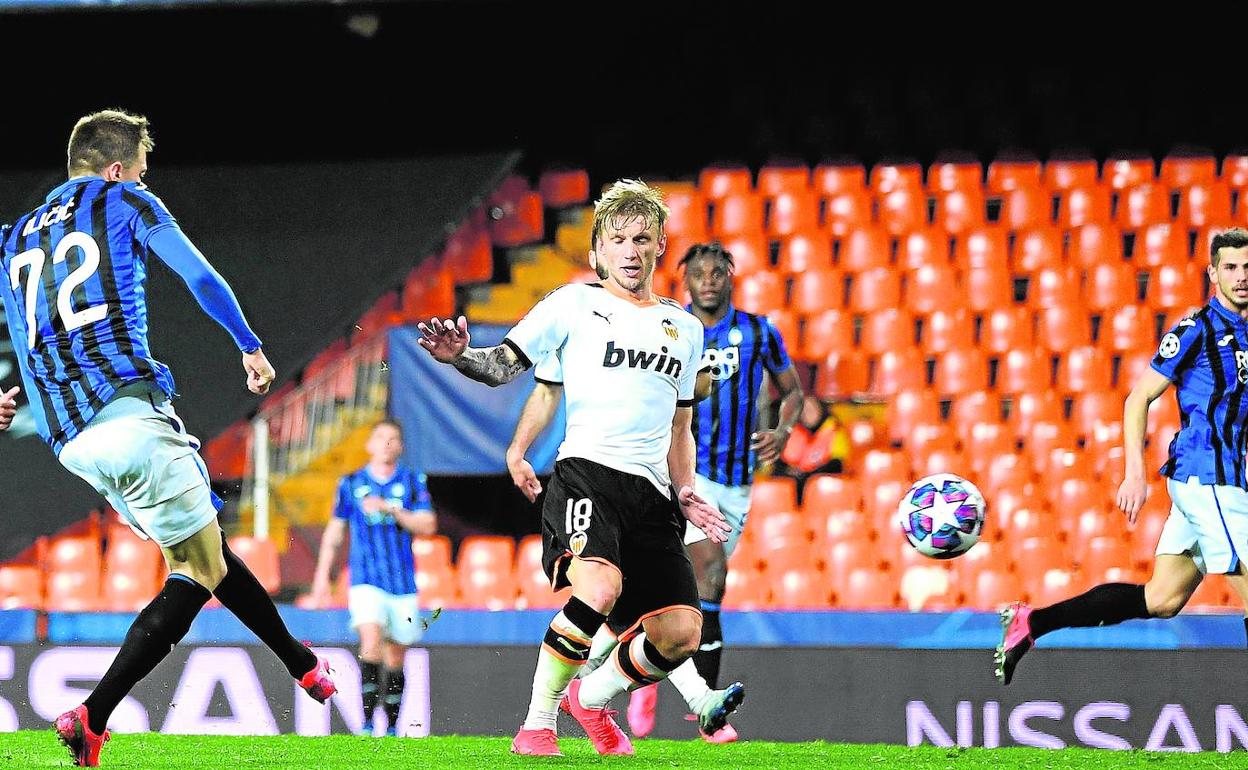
<point x="1061" y="328"/>
<point x="491" y="588"/>
<point x="1129" y="328"/>
<point x="468" y="255"/>
<point x="926" y="437"/>
<point x="909" y="408"/>
<point x="1050" y="586"/>
<point x="1036" y="249"/>
<point x="132" y="567"/>
<point x="1131" y="366"/>
<point x="959" y="211"/>
<point x="1204" y="241"/>
<point x="1026" y="207"/>
<point x="1090" y="519"/>
<point x="433" y="551"/>
<point x="786" y="324"/>
<point x="875" y="289"/>
<point x="1161" y="244"/>
<point x="1024" y="370"/>
<point x="984" y="441"/>
<point x="994" y="589"/>
<point x="759" y="292"/>
<point x="536" y="593"/>
<point x="563" y="188"/>
<point x="260" y="556"/>
<point x="841" y="527"/>
<point x="1125" y="173"/>
<point x="125" y="591"/>
<point x="1144" y="205"/>
<point x="831" y="493"/>
<point x="867" y="589"/>
<point x="746" y="589"/>
<point x="1006" y="470"/>
<point x="1067" y="174"/>
<point x="805" y="251"/>
<point x="781" y="547"/>
<point x="845" y="212"/>
<point x="815" y="291"/>
<point x="960" y="371"/>
<point x="1039" y="550"/>
<point x="988" y="553"/>
<point x="929" y="586"/>
<point x="826" y="333"/>
<point x="902" y="210"/>
<point x="1100" y="554"/>
<point x="750" y="252"/>
<point x="1235" y="169"/>
<point x="1175" y="288"/>
<point x="944" y="330"/>
<point x="864" y="249"/>
<point x="74" y="553"/>
<point x="925" y="246"/>
<point x="829" y="179"/>
<point x="1181" y="171"/>
<point x="721" y="181"/>
<point x="842" y="374"/>
<point x="737" y="214"/>
<point x="968" y="408"/>
<point x="954" y="177"/>
<point x="521" y="220"/>
<point x="1092" y="409"/>
<point x="897" y="370"/>
<point x="72" y="591"/>
<point x="1006" y="329"/>
<point x="846" y="556"/>
<point x="1085" y="370"/>
<point x="1007" y="175"/>
<point x="1213" y="593"/>
<point x="1054" y="286"/>
<point x="773" y="494"/>
<point x="982" y="247"/>
<point x="21" y="587"/>
<point x="1205" y="205"/>
<point x="929" y="287"/>
<point x="774" y="181"/>
<point x="486" y="551"/>
<point x="1095" y="244"/>
<point x="1027" y="520"/>
<point x="1032" y="407"/>
<point x="437" y="588"/>
<point x="881" y="465"/>
<point x="688" y="214"/>
<point x="792" y="212"/>
<point x="1144" y="536"/>
<point x="800" y="589"/>
<point x="987" y="288"/>
<point x="1071" y="498"/>
<point x="887" y="177"/>
<point x="938" y="460"/>
<point x="1083" y="205"/>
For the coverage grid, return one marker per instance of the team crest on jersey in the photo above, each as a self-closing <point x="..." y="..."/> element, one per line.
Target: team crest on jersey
<point x="578" y="542"/>
<point x="1169" y="346"/>
<point x="397" y="490"/>
<point x="735" y="336"/>
<point x="670" y="329"/>
<point x="362" y="492"/>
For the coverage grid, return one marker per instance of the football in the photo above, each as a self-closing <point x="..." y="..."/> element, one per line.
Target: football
<point x="942" y="515"/>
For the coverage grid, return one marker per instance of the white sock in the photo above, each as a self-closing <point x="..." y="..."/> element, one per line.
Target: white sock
<point x="599" y="651"/>
<point x="557" y="664"/>
<point x="609" y="680"/>
<point x="693" y="688"/>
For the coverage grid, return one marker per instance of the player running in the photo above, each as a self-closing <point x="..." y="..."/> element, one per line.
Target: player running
<point x="611" y="522"/>
<point x="74" y="272"/>
<point x="1206" y="358"/>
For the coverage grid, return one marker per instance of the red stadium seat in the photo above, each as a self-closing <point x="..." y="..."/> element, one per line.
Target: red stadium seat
<point x="927" y="246"/>
<point x="1036" y="249"/>
<point x="1111" y="285"/>
<point x="779" y="180"/>
<point x="1205" y="205"/>
<point x="829" y="493"/>
<point x="1053" y="287"/>
<point x="902" y="210"/>
<point x="841" y="375"/>
<point x="805" y="251"/>
<point x="815" y="291"/>
<point x="1007" y="175"/>
<point x="954" y="177"/>
<point x="983" y="247"/>
<point x="887" y="177"/>
<point x="945" y="330"/>
<point x="987" y="288"/>
<point x="21" y="587"/>
<point x="1005" y="329"/>
<point x="897" y="370"/>
<point x="864" y="249"/>
<point x="875" y="289"/>
<point x="929" y="288"/>
<point x="1025" y="370"/>
<point x="1129" y="328"/>
<point x="960" y="371"/>
<point x="1066" y="174"/>
<point x="959" y="211"/>
<point x="562" y="188"/>
<point x="1161" y="244"/>
<point x="792" y="212"/>
<point x="1083" y="205"/>
<point x="737" y="214"/>
<point x="721" y="181"/>
<point x="759" y="292"/>
<point x="260" y="556"/>
<point x="909" y="408"/>
<point x="1085" y="370"/>
<point x="433" y="551"/>
<point x="1144" y="205"/>
<point x="688" y="215"/>
<point x="1181" y="171"/>
<point x="1026" y="207"/>
<point x="826" y="333"/>
<point x="845" y="212"/>
<point x="1062" y="328"/>
<point x="1125" y="173"/>
<point x="829" y="180"/>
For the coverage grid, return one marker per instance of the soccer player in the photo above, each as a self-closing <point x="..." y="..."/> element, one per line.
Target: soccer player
<point x="1206" y="358"/>
<point x="383" y="504"/>
<point x="74" y="273"/>
<point x="611" y="521"/>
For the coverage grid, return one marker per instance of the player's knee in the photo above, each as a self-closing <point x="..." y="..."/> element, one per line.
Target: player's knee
<point x="210" y="573"/>
<point x="680" y="639"/>
<point x="1164" y="603"/>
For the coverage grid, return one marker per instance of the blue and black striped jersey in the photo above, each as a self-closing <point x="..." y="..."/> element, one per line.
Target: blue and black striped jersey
<point x="736" y="351"/>
<point x="381" y="550"/>
<point x="74" y="271"/>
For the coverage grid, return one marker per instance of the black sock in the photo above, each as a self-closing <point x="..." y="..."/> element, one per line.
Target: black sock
<point x="370" y="687"/>
<point x="1246" y="627"/>
<point x="160" y="626"/>
<point x="395" y="682"/>
<point x="243" y="595"/>
<point x="706" y="659"/>
<point x="1103" y="605"/>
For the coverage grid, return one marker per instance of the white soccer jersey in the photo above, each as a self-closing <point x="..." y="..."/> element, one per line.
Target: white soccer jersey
<point x="625" y="369"/>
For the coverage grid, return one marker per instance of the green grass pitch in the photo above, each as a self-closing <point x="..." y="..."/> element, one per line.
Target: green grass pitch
<point x="32" y="749"/>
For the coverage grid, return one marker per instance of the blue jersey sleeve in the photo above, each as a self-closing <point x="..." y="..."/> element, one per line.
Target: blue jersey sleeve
<point x="210" y="289"/>
<point x="777" y="358"/>
<point x="343" y="502"/>
<point x="418" y="499"/>
<point x="150" y="215"/>
<point x="1179" y="348"/>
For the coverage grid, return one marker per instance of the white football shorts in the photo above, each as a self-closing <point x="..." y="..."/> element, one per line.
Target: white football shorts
<point x="397" y="614"/>
<point x="1208" y="522"/>
<point x="733" y="502"/>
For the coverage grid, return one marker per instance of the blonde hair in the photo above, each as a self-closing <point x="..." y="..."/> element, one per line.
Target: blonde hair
<point x="106" y="137"/>
<point x="626" y="200"/>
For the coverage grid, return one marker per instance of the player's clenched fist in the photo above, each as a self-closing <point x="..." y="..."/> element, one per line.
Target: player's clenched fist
<point x="445" y="340"/>
<point x="260" y="372"/>
<point x="8" y="407"/>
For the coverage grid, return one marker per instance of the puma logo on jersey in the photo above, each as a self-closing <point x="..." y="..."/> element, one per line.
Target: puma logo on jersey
<point x="606" y="317"/>
<point x="53" y="216"/>
<point x="641" y="359"/>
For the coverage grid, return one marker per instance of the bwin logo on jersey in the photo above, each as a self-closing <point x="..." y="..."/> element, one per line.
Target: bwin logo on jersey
<point x="723" y="363"/>
<point x="641" y="359"/>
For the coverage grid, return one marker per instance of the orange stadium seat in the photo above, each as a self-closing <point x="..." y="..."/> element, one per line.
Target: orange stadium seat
<point x="826" y="333"/>
<point x="792" y="212"/>
<point x="1212" y="593"/>
<point x="747" y="589"/>
<point x="805" y="251"/>
<point x="1026" y="520"/>
<point x="75" y="553"/>
<point x="750" y="252"/>
<point x="841" y="527"/>
<point x="759" y="292"/>
<point x="1129" y="328"/>
<point x="1174" y="288"/>
<point x="1091" y="409"/>
<point x="994" y="589"/>
<point x="815" y="291"/>
<point x="1006" y="471"/>
<point x="989" y="553"/>
<point x="125" y="591"/>
<point x="846" y="212"/>
<point x="72" y="591"/>
<point x="1205" y="205"/>
<point x="688" y="214"/>
<point x="1085" y="370"/>
<point x="864" y="249"/>
<point x="785" y="322"/>
<point x="1071" y="498"/>
<point x="896" y="370"/>
<point x="987" y="288"/>
<point x="1007" y="175"/>
<point x="945" y="330"/>
<point x="1094" y="244"/>
<point x="521" y="221"/>
<point x="260" y="556"/>
<point x="437" y="587"/>
<point x="939" y="460"/>
<point x="926" y="246"/>
<point x="846" y="556"/>
<point x="800" y="589"/>
<point x="831" y="493"/>
<point x="485" y="551"/>
<point x="868" y="589"/>
<point x="960" y="371"/>
<point x="528" y="554"/>
<point x="491" y="588"/>
<point x="1043" y="436"/>
<point x="928" y="288"/>
<point x="1094" y="520"/>
<point x="1053" y="585"/>
<point x="902" y="210"/>
<point x="468" y="255"/>
<point x="1111" y="285"/>
<point x="1061" y="328"/>
<point x="875" y="289"/>
<point x="1039" y="551"/>
<point x="1024" y="370"/>
<point x="720" y="181"/>
<point x="909" y="408"/>
<point x="1066" y="174"/>
<point x="1032" y="407"/>
<point x="1105" y="553"/>
<point x="886" y="177"/>
<point x="1036" y="249"/>
<point x="954" y="177"/>
<point x="959" y="211"/>
<point x="982" y="247"/>
<point x="21" y="587"/>
<point x="1180" y="171"/>
<point x="433" y="551"/>
<point x="737" y="214"/>
<point x="929" y="437"/>
<point x="985" y="441"/>
<point x="562" y="188"/>
<point x="1144" y="205"/>
<point x="1026" y="207"/>
<point x="829" y="179"/>
<point x="1235" y="169"/>
<point x="128" y="553"/>
<point x="1161" y="244"/>
<point x="841" y="375"/>
<point x="776" y="493"/>
<point x="1004" y="329"/>
<point x="1125" y="173"/>
<point x="880" y="465"/>
<point x="1083" y="205"/>
<point x="778" y="180"/>
<point x="968" y="408"/>
<point x="1144" y="536"/>
<point x="1053" y="286"/>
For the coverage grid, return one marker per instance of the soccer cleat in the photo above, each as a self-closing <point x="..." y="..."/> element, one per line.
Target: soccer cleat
<point x="392" y="732"/>
<point x="536" y="743"/>
<point x="1016" y="640"/>
<point x="602" y="730"/>
<point x="725" y="734"/>
<point x="84" y="746"/>
<point x="366" y="730"/>
<point x="317" y="682"/>
<point x="641" y="707"/>
<point x="718" y="704"/>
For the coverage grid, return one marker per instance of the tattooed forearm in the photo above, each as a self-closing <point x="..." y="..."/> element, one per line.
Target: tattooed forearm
<point x="493" y="366"/>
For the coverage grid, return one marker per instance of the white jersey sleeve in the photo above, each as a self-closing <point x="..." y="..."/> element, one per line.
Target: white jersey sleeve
<point x="549" y="369"/>
<point x="689" y="374"/>
<point x="544" y="329"/>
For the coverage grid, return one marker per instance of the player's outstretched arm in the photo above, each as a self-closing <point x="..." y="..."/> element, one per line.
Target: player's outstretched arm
<point x="1133" y="491"/>
<point x="8" y="407"/>
<point x="447" y="341"/>
<point x="538" y="411"/>
<point x="681" y="465"/>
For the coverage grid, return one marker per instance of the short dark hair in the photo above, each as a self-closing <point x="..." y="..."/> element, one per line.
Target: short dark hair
<point x="1235" y="238"/>
<point x="714" y="250"/>
<point x="391" y="422"/>
<point x="106" y="137"/>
